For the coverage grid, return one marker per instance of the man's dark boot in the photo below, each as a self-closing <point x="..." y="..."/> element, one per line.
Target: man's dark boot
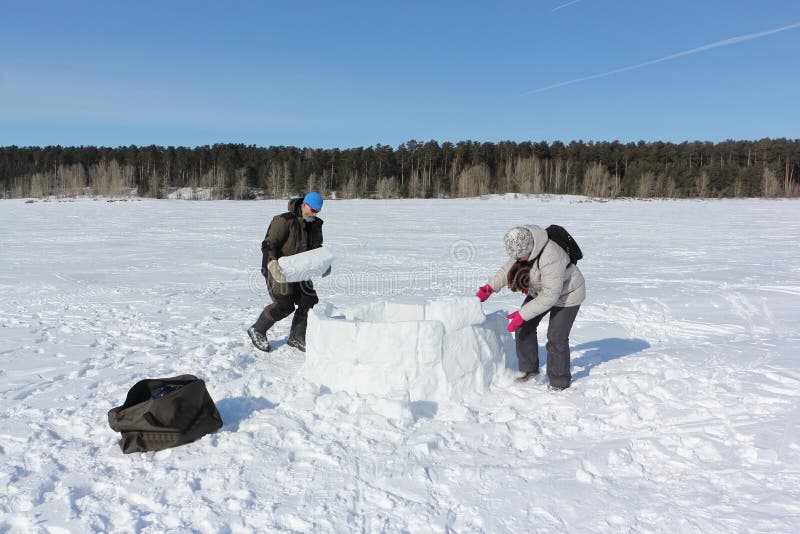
<point x="258" y="332"/>
<point x="259" y="340"/>
<point x="299" y="344"/>
<point x="297" y="334"/>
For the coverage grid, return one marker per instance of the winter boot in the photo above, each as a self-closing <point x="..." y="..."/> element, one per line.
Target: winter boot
<point x="527" y="375"/>
<point x="259" y="340"/>
<point x="299" y="344"/>
<point x="297" y="334"/>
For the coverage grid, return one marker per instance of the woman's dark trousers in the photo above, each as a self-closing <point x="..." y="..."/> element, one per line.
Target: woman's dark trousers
<point x="527" y="341"/>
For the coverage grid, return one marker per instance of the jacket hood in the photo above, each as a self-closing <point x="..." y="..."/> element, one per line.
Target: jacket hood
<point x="539" y="240"/>
<point x="294" y="205"/>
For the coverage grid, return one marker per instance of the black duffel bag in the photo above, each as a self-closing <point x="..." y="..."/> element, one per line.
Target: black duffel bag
<point x="164" y="412"/>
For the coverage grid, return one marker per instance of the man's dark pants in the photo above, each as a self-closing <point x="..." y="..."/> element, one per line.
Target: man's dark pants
<point x="295" y="297"/>
<point x="561" y="320"/>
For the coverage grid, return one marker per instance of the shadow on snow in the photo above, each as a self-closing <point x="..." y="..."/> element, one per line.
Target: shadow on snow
<point x="604" y="350"/>
<point x="238" y="409"/>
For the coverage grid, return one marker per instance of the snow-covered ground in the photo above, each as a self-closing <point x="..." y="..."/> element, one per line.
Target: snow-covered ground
<point x="684" y="414"/>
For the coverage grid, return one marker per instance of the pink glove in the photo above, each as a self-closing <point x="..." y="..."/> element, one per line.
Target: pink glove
<point x="516" y="321"/>
<point x="484" y="292"/>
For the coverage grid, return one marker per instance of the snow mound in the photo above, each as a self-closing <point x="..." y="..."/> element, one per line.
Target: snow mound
<point x="441" y="351"/>
<point x="191" y="193"/>
<point x="306" y="265"/>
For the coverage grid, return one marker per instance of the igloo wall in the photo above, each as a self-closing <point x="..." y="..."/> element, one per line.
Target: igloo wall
<point x="440" y="351"/>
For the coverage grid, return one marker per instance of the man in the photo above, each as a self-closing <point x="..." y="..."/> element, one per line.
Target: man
<point x="553" y="285"/>
<point x="298" y="230"/>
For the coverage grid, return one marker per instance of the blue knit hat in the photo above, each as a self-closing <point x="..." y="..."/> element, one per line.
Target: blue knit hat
<point x="314" y="200"/>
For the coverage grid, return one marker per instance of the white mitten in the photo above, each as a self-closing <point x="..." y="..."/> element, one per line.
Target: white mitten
<point x="275" y="270"/>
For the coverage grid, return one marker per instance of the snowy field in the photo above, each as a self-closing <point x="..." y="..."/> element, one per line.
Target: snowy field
<point x="684" y="414"/>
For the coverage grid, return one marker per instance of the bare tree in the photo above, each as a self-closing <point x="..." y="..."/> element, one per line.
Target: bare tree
<point x="387" y="188"/>
<point x="323" y="183"/>
<point x="73" y="179"/>
<point x="522" y="176"/>
<point x="569" y="186"/>
<point x="17" y="189"/>
<point x="596" y="181"/>
<point x="738" y="184"/>
<point x="287" y="179"/>
<point x="672" y="188"/>
<point x="154" y="182"/>
<point x="505" y="180"/>
<point x="350" y="188"/>
<point x="414" y="184"/>
<point x="240" y="184"/>
<point x="311" y="183"/>
<point x="559" y="182"/>
<point x="208" y="181"/>
<point x="527" y="175"/>
<point x="702" y="184"/>
<point x="537" y="181"/>
<point x="278" y="180"/>
<point x="473" y="181"/>
<point x="770" y="185"/>
<point x="39" y="185"/>
<point x="111" y="178"/>
<point x="645" y="187"/>
<point x="274" y="180"/>
<point x="98" y="178"/>
<point x="658" y="188"/>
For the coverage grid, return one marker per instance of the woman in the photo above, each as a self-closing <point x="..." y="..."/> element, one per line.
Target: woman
<point x="554" y="285"/>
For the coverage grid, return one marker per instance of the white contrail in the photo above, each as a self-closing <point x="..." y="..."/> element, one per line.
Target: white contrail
<point x="717" y="44"/>
<point x="565" y="5"/>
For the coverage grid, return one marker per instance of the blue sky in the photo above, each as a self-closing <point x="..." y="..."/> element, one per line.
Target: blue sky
<point x="344" y="74"/>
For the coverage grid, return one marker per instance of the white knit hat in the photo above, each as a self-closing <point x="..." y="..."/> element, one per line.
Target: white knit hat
<point x="519" y="242"/>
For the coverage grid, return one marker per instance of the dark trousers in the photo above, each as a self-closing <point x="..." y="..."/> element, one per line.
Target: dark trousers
<point x="561" y="320"/>
<point x="295" y="297"/>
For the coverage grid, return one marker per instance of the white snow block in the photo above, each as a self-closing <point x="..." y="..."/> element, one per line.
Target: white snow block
<point x="370" y="311"/>
<point x="306" y="265"/>
<point x="455" y="312"/>
<point x="406" y="351"/>
<point x="386" y="311"/>
<point x="398" y="310"/>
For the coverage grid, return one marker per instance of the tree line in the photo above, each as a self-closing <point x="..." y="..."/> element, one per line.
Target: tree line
<point x="766" y="168"/>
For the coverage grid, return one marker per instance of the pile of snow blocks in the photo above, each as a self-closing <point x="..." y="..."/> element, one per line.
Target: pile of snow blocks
<point x="441" y="351"/>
